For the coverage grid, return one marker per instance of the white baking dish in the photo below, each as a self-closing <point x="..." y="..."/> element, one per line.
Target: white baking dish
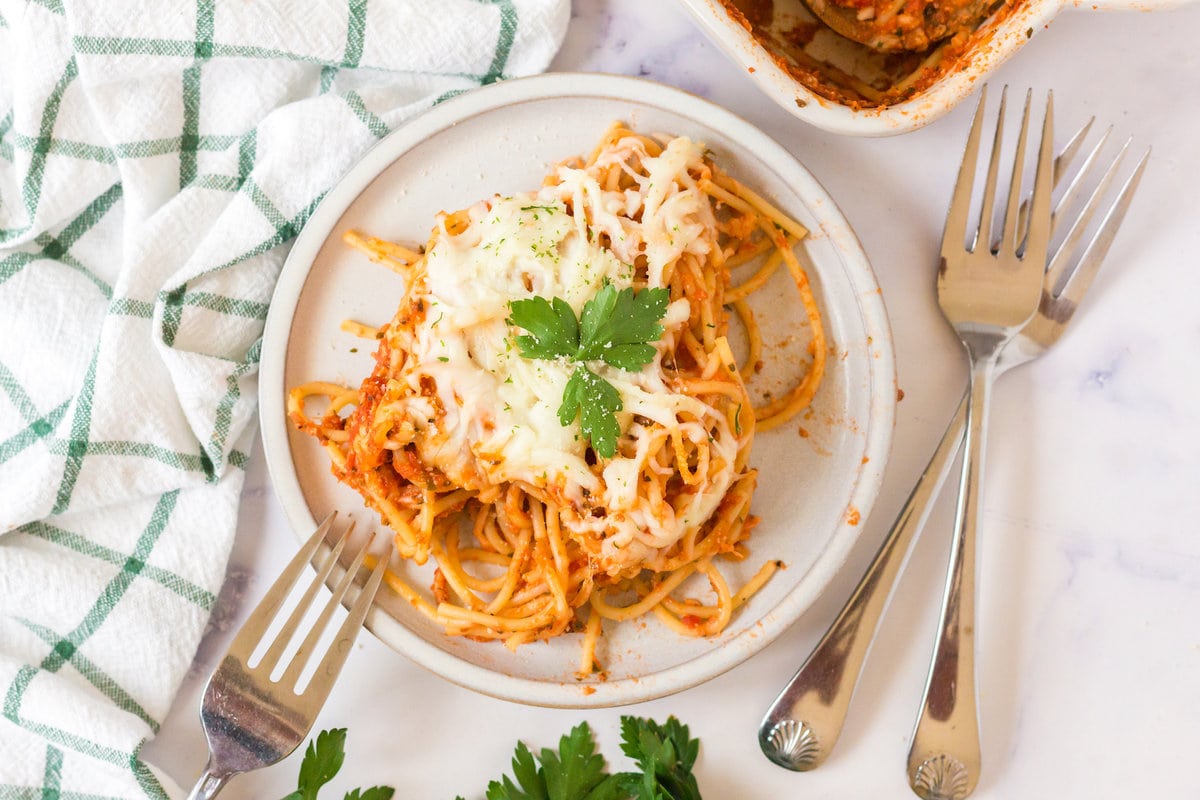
<point x="1000" y="37"/>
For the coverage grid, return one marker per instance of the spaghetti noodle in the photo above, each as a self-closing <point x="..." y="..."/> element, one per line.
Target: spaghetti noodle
<point x="454" y="437"/>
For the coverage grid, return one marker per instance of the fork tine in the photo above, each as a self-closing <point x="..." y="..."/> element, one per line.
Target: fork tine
<point x="1008" y="221"/>
<point x="264" y="613"/>
<point x="327" y="671"/>
<point x="271" y="658"/>
<point x="989" y="190"/>
<point x="292" y="675"/>
<point x="1062" y="256"/>
<point x="1064" y="159"/>
<point x="1076" y="184"/>
<point x="1062" y="163"/>
<point x="955" y="232"/>
<point x="1074" y="284"/>
<point x="1043" y="186"/>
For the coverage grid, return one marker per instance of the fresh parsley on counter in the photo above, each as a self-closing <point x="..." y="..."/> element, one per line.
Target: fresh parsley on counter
<point x="664" y="754"/>
<point x="616" y="327"/>
<point x="322" y="760"/>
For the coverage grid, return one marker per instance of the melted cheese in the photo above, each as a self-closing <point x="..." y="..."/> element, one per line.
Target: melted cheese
<point x="500" y="420"/>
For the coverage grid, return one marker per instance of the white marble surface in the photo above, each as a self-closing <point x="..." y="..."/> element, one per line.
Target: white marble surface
<point x="1090" y="557"/>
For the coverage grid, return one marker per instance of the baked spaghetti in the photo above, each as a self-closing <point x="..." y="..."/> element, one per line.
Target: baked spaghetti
<point x="465" y="437"/>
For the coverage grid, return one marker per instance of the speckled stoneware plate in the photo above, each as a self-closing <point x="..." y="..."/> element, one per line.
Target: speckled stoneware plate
<point x="818" y="476"/>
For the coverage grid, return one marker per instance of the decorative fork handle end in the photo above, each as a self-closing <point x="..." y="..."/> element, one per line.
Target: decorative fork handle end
<point x="792" y="744"/>
<point x="940" y="777"/>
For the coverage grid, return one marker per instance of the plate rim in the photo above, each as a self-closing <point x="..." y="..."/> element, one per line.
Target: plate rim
<point x="878" y="426"/>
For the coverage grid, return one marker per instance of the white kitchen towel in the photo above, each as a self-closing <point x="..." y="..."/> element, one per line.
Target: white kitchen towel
<point x="156" y="160"/>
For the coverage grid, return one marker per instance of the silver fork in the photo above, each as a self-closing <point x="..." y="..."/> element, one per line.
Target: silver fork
<point x="988" y="294"/>
<point x="803" y="723"/>
<point x="252" y="721"/>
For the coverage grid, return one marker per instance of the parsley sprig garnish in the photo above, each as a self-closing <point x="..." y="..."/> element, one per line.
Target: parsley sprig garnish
<point x="616" y="327"/>
<point x="322" y="760"/>
<point x="664" y="754"/>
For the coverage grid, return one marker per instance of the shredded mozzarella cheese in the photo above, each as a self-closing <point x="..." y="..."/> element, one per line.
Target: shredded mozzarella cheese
<point x="500" y="410"/>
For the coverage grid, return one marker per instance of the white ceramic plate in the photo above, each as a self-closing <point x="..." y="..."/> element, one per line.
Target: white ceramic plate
<point x="814" y="489"/>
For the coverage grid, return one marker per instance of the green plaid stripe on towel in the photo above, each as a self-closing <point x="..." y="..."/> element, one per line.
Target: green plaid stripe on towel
<point x="156" y="161"/>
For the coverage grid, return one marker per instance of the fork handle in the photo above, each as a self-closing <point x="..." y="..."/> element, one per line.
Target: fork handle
<point x="944" y="758"/>
<point x="209" y="783"/>
<point x="802" y="725"/>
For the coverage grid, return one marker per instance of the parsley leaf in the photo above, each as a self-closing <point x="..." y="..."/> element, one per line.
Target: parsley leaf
<point x="322" y="760"/>
<point x="666" y="754"/>
<point x="553" y="330"/>
<point x="616" y="327"/>
<point x="576" y="769"/>
<point x="596" y="402"/>
<point x="528" y="776"/>
<point x="574" y="772"/>
<point x="374" y="793"/>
